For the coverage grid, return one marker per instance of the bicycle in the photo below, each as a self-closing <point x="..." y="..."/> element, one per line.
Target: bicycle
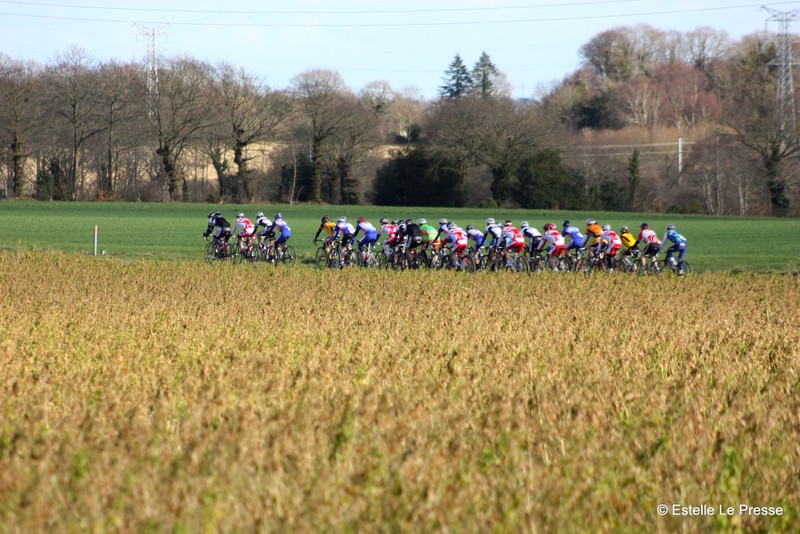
<point x="367" y="258"/>
<point x="218" y="250"/>
<point x="285" y="255"/>
<point x="576" y="262"/>
<point x="328" y="258"/>
<point x="670" y="264"/>
<point x="463" y="262"/>
<point x="245" y="251"/>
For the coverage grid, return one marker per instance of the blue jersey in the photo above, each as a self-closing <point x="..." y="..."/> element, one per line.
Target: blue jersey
<point x="674" y="236"/>
<point x="281" y="226"/>
<point x="368" y="229"/>
<point x="345" y="229"/>
<point x="574" y="234"/>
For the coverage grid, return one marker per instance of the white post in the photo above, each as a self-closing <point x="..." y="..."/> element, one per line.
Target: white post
<point x="680" y="158"/>
<point x="95" y="240"/>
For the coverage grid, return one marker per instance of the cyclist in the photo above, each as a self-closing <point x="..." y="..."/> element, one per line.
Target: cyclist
<point x="428" y="235"/>
<point x="268" y="229"/>
<point x="494" y="231"/>
<point x="348" y="233"/>
<point x="389" y="229"/>
<point x="219" y="226"/>
<point x="457" y="239"/>
<point x="610" y="243"/>
<point x="630" y="244"/>
<point x="678" y="245"/>
<point x="651" y="243"/>
<point x="477" y="236"/>
<point x="370" y="234"/>
<point x="556" y="245"/>
<point x="244" y="231"/>
<point x="413" y="236"/>
<point x="281" y="226"/>
<point x="442" y="228"/>
<point x="327" y="225"/>
<point x="576" y="237"/>
<point x="593" y="232"/>
<point x="514" y="242"/>
<point x="533" y="235"/>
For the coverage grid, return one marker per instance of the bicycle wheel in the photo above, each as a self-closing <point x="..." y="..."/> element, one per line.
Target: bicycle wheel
<point x="520" y="265"/>
<point x="370" y="259"/>
<point x="468" y="264"/>
<point x="211" y="253"/>
<point x="321" y="258"/>
<point x="287" y="257"/>
<point x="687" y="268"/>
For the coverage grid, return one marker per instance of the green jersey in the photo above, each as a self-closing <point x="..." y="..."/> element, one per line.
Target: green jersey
<point x="428" y="233"/>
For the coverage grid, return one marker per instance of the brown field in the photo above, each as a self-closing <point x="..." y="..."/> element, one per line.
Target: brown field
<point x="178" y="397"/>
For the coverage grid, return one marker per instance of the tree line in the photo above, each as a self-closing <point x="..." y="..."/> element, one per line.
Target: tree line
<point x="605" y="137"/>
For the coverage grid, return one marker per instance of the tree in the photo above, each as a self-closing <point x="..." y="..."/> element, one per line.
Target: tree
<point x="457" y="81"/>
<point x="20" y="114"/>
<point x="248" y="113"/>
<point x="73" y="95"/>
<point x="544" y="182"/>
<point x="487" y="80"/>
<point x="634" y="177"/>
<point x="752" y="113"/>
<point x="178" y="116"/>
<point x="319" y="94"/>
<point x="417" y="177"/>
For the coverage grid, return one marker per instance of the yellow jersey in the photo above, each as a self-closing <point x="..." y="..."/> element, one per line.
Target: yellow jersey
<point x="627" y="239"/>
<point x="328" y="227"/>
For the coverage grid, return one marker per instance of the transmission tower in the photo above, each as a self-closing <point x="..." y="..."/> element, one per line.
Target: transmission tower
<point x="151" y="58"/>
<point x="784" y="62"/>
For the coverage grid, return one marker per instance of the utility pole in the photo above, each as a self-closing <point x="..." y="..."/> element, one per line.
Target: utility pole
<point x="784" y="62"/>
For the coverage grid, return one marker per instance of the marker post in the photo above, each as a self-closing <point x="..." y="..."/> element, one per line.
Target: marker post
<point x="95" y="240"/>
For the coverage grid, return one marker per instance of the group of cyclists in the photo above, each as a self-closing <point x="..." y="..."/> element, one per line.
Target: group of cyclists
<point x="408" y="238"/>
<point x="601" y="243"/>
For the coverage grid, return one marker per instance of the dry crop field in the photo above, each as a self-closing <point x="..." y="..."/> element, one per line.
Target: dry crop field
<point x="156" y="397"/>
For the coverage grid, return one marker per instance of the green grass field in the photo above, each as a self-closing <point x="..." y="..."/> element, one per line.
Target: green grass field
<point x="173" y="231"/>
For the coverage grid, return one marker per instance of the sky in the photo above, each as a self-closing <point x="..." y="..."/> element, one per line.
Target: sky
<point x="408" y="44"/>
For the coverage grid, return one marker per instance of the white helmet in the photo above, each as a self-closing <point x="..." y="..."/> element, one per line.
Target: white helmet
<point x="606" y="227"/>
<point x="259" y="214"/>
<point x="451" y="225"/>
<point x="590" y="222"/>
<point x="422" y="221"/>
<point x="443" y="220"/>
<point x="240" y="215"/>
<point x="341" y="219"/>
<point x="523" y="224"/>
<point x="490" y="221"/>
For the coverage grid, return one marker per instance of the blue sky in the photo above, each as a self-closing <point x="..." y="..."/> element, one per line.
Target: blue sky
<point x="407" y="44"/>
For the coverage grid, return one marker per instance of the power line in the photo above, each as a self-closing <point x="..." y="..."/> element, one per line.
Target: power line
<point x="327" y="12"/>
<point x="392" y="24"/>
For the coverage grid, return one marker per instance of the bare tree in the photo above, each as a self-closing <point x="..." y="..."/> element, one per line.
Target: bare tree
<point x="19" y="115"/>
<point x="319" y="95"/>
<point x="179" y="114"/>
<point x="72" y="93"/>
<point x="249" y="114"/>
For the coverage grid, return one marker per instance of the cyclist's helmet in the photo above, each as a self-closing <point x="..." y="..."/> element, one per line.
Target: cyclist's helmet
<point x="451" y="225"/>
<point x="443" y="221"/>
<point x="524" y="224"/>
<point x="240" y="215"/>
<point x="550" y="226"/>
<point x="259" y="214"/>
<point x="325" y="218"/>
<point x="211" y="214"/>
<point x="470" y="227"/>
<point x="606" y="227"/>
<point x="565" y="223"/>
<point x="384" y="220"/>
<point x="422" y="221"/>
<point x="623" y="229"/>
<point x="341" y="220"/>
<point x="409" y="221"/>
<point x="670" y="227"/>
<point x="278" y="216"/>
<point x="590" y="222"/>
<point x="361" y="219"/>
<point x="507" y="223"/>
<point x="490" y="221"/>
<point x="645" y="225"/>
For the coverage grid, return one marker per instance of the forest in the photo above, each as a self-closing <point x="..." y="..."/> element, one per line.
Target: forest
<point x="652" y="121"/>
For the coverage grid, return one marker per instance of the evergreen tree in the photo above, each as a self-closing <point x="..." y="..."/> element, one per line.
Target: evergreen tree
<point x="457" y="81"/>
<point x="633" y="177"/>
<point x="487" y="80"/>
